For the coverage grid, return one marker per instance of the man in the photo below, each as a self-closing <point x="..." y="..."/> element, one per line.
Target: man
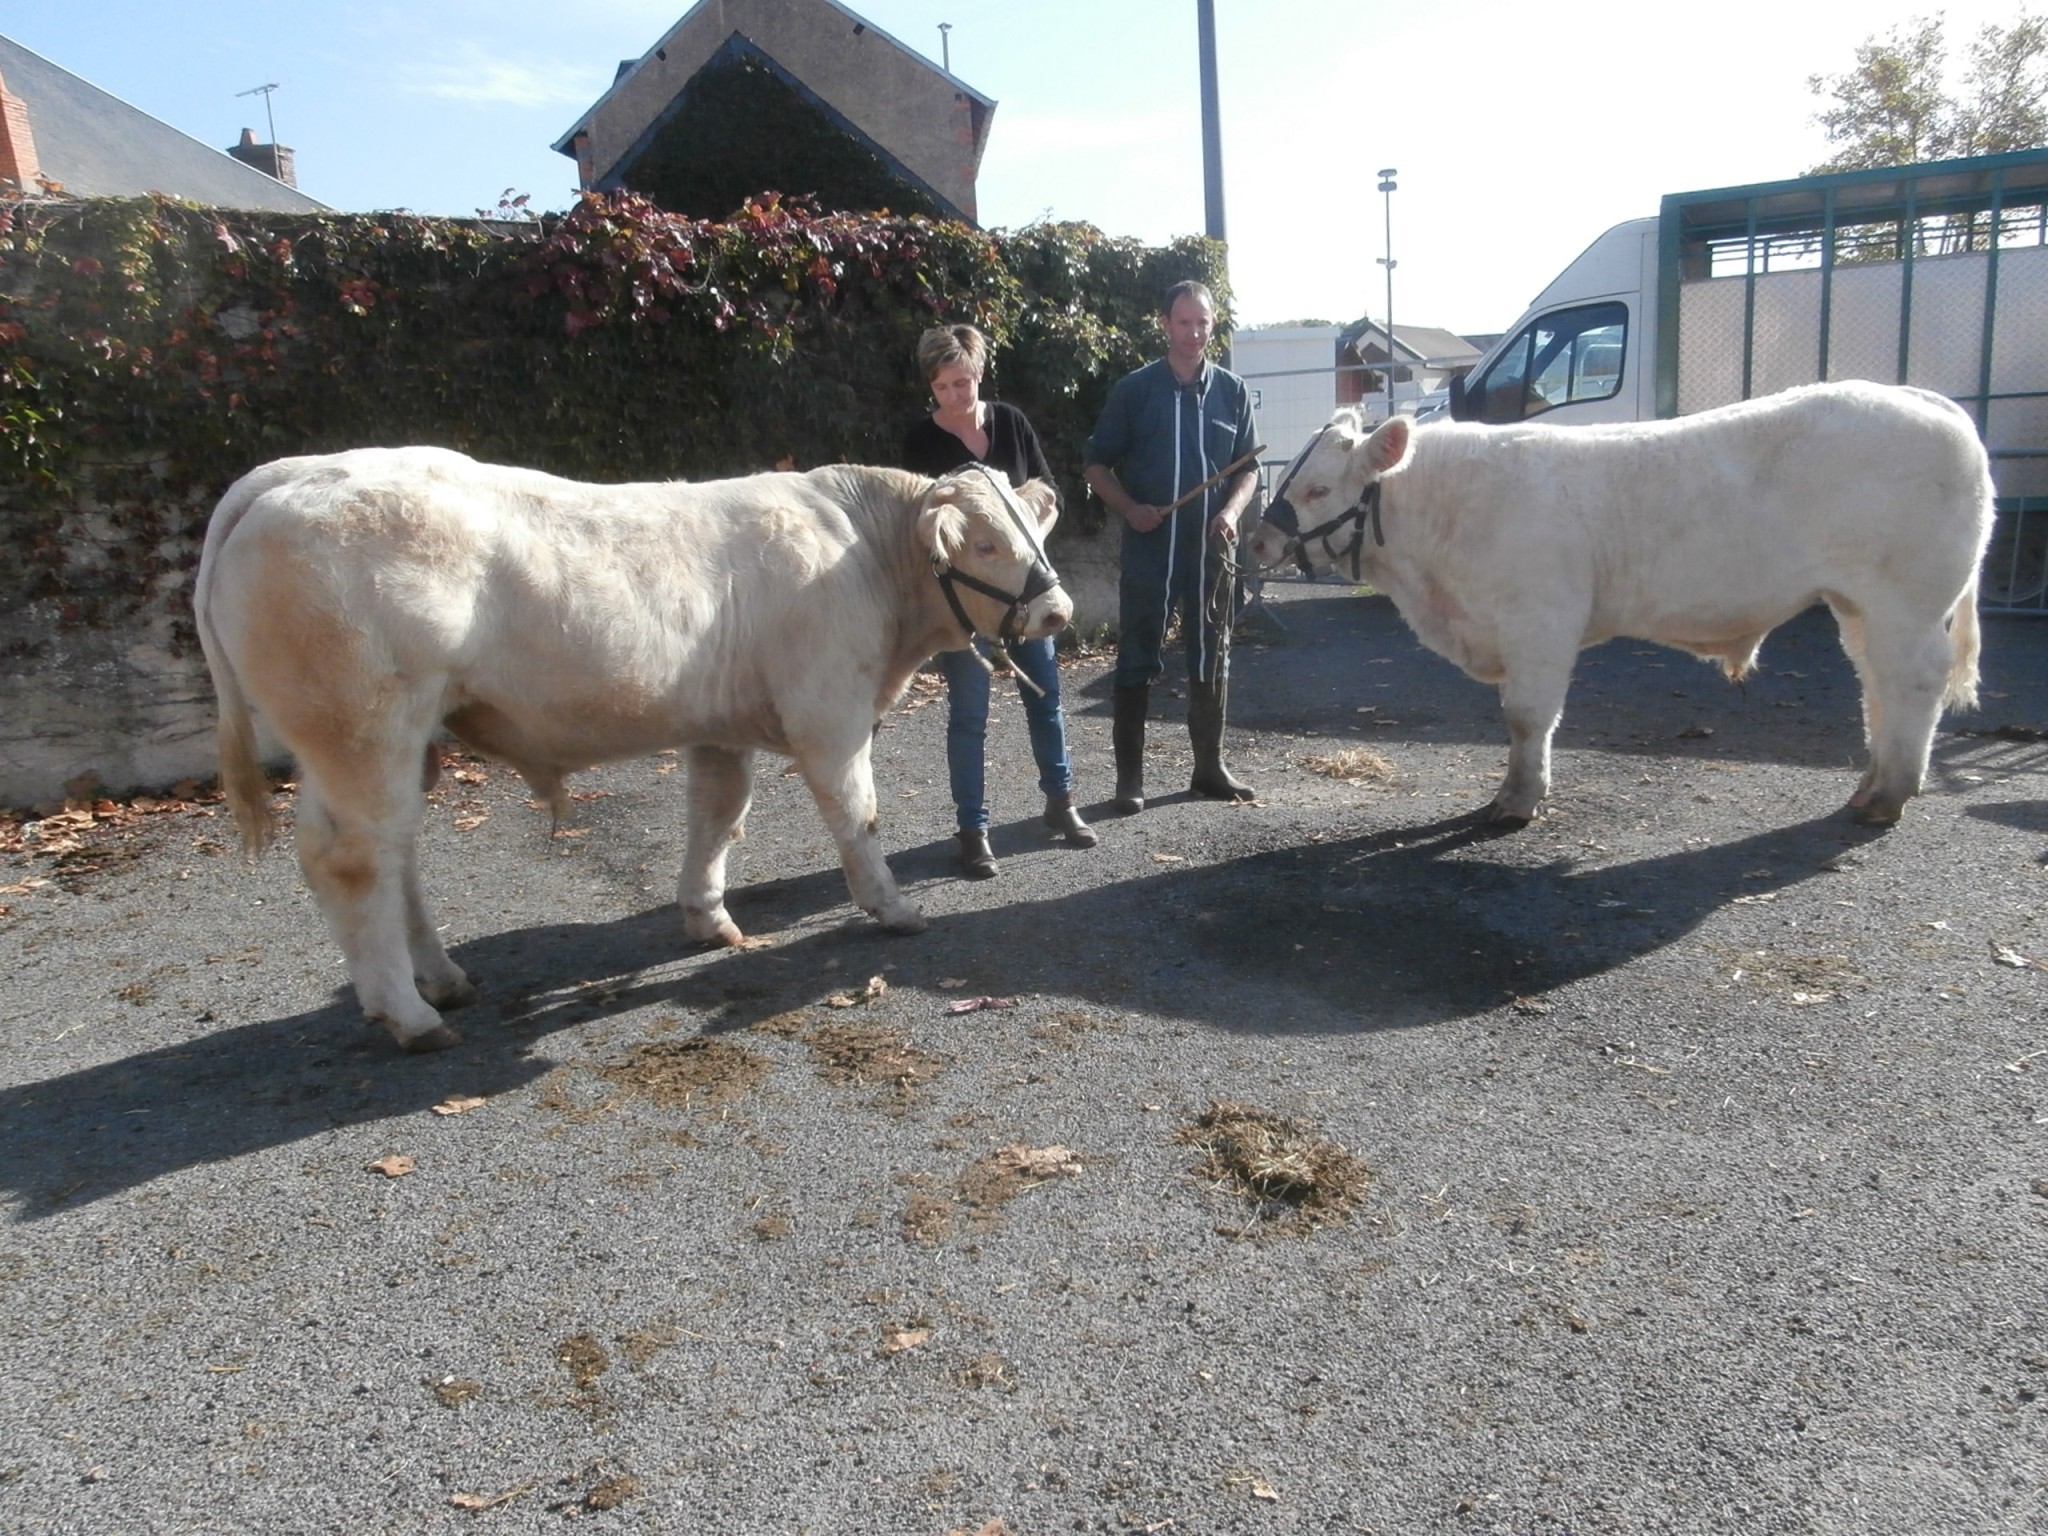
<point x="1167" y="428"/>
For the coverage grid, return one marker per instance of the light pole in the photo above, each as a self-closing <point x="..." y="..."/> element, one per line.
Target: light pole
<point x="1387" y="186"/>
<point x="945" y="47"/>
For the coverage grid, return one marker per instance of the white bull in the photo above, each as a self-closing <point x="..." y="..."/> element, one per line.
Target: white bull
<point x="1509" y="549"/>
<point x="364" y="601"/>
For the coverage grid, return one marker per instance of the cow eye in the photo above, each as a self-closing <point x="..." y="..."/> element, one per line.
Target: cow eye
<point x="984" y="547"/>
<point x="1315" y="493"/>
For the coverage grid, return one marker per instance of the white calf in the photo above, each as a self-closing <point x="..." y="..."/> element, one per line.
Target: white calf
<point x="1509" y="549"/>
<point x="362" y="602"/>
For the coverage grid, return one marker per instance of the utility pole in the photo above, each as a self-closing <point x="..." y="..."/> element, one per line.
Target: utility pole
<point x="1212" y="124"/>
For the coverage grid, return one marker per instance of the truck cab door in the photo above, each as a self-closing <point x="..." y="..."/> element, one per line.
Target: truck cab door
<point x="1567" y="366"/>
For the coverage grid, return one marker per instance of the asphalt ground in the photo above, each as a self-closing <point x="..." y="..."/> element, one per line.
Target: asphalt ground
<point x="1674" y="1165"/>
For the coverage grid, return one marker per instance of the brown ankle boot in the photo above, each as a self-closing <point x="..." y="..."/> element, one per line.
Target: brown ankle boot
<point x="1061" y="816"/>
<point x="977" y="859"/>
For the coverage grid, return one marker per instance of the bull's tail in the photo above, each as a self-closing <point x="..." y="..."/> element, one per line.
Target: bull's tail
<point x="242" y="778"/>
<point x="1964" y="642"/>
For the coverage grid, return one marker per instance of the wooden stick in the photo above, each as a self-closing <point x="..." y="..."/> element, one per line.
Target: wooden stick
<point x="1221" y="475"/>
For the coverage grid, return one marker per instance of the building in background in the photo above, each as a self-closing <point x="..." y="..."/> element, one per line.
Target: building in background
<point x="62" y="134"/>
<point x="1300" y="374"/>
<point x="802" y="97"/>
<point x="1420" y="360"/>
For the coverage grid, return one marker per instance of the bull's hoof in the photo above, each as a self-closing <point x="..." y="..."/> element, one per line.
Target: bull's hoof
<point x="459" y="993"/>
<point x="714" y="927"/>
<point x="1875" y="813"/>
<point x="436" y="1037"/>
<point x="904" y="919"/>
<point x="1506" y="820"/>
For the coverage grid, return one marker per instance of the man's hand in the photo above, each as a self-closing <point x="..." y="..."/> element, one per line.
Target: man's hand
<point x="1143" y="517"/>
<point x="1224" y="526"/>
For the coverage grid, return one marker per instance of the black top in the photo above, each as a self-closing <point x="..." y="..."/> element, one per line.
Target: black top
<point x="1013" y="447"/>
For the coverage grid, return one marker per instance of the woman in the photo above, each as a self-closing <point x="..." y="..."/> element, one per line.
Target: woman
<point x="965" y="429"/>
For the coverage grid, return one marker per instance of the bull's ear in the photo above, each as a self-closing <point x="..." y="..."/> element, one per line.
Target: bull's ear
<point x="1388" y="447"/>
<point x="942" y="526"/>
<point x="1043" y="498"/>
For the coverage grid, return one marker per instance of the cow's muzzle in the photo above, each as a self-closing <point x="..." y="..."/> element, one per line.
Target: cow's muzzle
<point x="1281" y="514"/>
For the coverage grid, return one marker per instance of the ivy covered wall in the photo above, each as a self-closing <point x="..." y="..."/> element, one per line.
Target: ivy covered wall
<point x="151" y="351"/>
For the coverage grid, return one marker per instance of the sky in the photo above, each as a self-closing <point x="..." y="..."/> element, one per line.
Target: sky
<point x="1520" y="129"/>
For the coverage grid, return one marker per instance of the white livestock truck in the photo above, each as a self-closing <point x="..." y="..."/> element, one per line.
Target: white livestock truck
<point x="1934" y="275"/>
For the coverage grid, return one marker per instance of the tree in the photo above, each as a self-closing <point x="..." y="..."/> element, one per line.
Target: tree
<point x="1894" y="106"/>
<point x="2008" y="103"/>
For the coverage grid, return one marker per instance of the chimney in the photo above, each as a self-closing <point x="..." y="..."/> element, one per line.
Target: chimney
<point x="18" y="162"/>
<point x="273" y="160"/>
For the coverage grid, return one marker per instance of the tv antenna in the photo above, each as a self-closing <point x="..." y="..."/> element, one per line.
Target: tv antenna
<point x="264" y="91"/>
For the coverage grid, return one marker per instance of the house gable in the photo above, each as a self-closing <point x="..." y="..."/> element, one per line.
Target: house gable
<point x="743" y="124"/>
<point x="926" y="128"/>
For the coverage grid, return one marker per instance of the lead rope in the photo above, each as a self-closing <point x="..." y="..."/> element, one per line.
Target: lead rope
<point x="1221" y="610"/>
<point x="1024" y="679"/>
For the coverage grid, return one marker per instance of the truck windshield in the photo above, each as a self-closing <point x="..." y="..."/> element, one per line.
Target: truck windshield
<point x="1566" y="356"/>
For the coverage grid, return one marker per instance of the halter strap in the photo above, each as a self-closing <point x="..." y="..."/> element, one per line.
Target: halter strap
<point x="1281" y="514"/>
<point x="1038" y="580"/>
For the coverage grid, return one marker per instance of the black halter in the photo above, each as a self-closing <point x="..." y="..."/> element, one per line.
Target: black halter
<point x="1038" y="581"/>
<point x="1281" y="514"/>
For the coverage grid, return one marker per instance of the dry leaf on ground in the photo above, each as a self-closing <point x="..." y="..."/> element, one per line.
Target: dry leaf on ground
<point x="975" y="1004"/>
<point x="873" y="991"/>
<point x="395" y="1165"/>
<point x="475" y="1502"/>
<point x="1038" y="1162"/>
<point x="458" y="1104"/>
<point x="895" y="1340"/>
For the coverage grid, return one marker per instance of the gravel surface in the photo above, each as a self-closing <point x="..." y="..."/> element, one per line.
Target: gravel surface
<point x="1675" y="1165"/>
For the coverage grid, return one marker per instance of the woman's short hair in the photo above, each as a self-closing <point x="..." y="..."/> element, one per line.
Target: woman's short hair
<point x="944" y="346"/>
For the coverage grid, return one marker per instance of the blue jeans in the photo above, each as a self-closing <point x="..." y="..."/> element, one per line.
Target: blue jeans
<point x="967" y="689"/>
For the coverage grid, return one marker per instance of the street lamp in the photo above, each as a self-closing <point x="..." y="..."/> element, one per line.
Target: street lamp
<point x="1387" y="186"/>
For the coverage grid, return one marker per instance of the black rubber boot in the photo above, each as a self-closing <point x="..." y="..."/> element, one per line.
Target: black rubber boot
<point x="1127" y="734"/>
<point x="977" y="859"/>
<point x="1205" y="733"/>
<point x="1061" y="816"/>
